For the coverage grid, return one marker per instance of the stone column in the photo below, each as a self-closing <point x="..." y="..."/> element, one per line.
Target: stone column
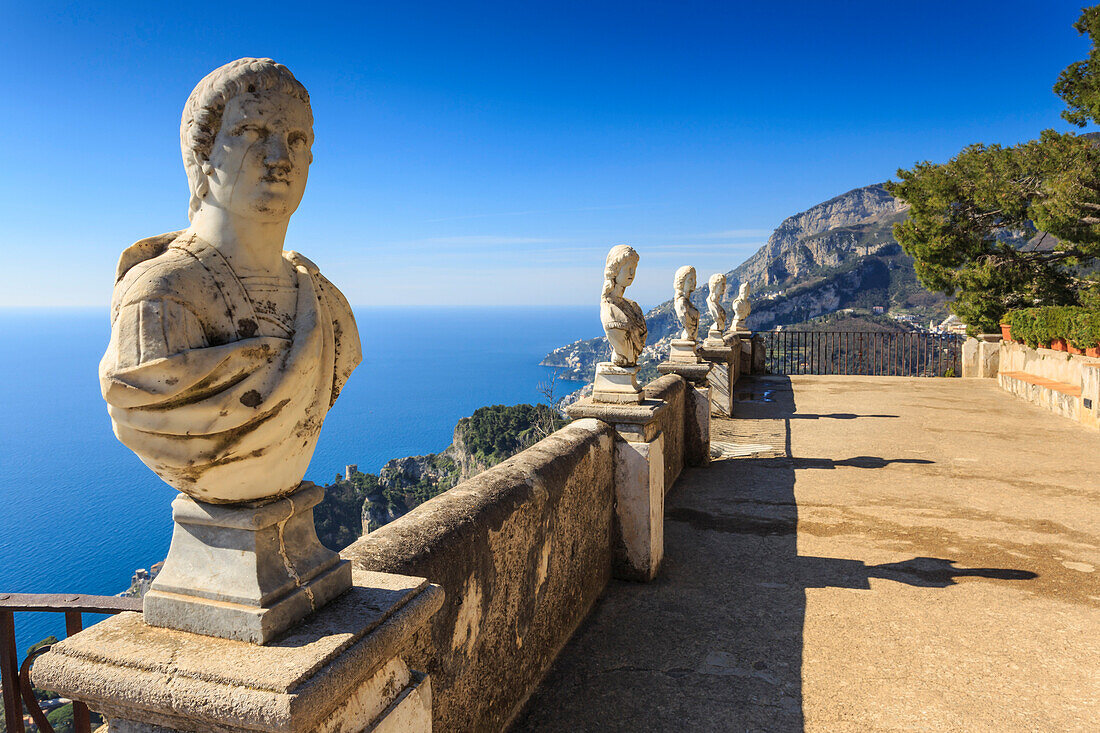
<point x="339" y="671"/>
<point x="639" y="483"/>
<point x="759" y="354"/>
<point x="981" y="356"/>
<point x="1089" y="413"/>
<point x="725" y="364"/>
<point x="696" y="409"/>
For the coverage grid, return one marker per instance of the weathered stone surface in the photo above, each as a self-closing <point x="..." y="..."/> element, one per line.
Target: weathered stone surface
<point x="725" y="364"/>
<point x="333" y="671"/>
<point x="245" y="572"/>
<point x="672" y="421"/>
<point x="694" y="373"/>
<point x="632" y="422"/>
<point x="616" y="385"/>
<point x="981" y="356"/>
<point x="226" y="352"/>
<point x="522" y="550"/>
<point x="1054" y="380"/>
<point x="1090" y="396"/>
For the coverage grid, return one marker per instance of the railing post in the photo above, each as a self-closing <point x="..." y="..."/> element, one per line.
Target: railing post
<point x="82" y="720"/>
<point x="9" y="674"/>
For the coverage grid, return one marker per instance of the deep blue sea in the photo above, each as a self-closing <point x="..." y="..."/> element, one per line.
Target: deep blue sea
<point x="79" y="512"/>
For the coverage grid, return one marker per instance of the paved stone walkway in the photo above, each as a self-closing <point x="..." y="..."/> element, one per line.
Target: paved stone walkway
<point x="870" y="554"/>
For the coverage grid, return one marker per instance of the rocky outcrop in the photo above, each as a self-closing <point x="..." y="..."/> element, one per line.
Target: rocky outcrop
<point x="793" y="250"/>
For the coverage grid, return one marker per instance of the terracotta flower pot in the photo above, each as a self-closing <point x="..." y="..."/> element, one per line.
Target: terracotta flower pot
<point x="1093" y="351"/>
<point x="1074" y="350"/>
<point x="1006" y="331"/>
<point x="1058" y="344"/>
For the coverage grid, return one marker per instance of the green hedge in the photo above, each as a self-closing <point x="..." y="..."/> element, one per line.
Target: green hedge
<point x="1039" y="326"/>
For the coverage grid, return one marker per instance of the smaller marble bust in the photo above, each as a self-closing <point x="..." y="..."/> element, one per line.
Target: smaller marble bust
<point x="741" y="310"/>
<point x="622" y="318"/>
<point x="624" y="323"/>
<point x="683" y="348"/>
<point x="717" y="285"/>
<point x="684" y="285"/>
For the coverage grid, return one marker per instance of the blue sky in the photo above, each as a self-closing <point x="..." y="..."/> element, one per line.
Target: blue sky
<point x="491" y="153"/>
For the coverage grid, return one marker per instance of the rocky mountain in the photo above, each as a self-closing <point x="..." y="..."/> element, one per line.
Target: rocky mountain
<point x="836" y="255"/>
<point x="822" y="236"/>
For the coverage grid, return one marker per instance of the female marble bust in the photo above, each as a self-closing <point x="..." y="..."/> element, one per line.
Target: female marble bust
<point x="717" y="285"/>
<point x="622" y="318"/>
<point x="684" y="285"/>
<point x="226" y="351"/>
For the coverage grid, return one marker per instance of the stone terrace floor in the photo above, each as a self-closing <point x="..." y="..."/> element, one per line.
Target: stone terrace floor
<point x="874" y="554"/>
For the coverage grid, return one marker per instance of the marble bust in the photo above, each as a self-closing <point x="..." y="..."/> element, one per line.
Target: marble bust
<point x="226" y="351"/>
<point x="622" y="318"/>
<point x="741" y="310"/>
<point x="683" y="349"/>
<point x="624" y="323"/>
<point x="717" y="285"/>
<point x="683" y="286"/>
<point x="226" y="354"/>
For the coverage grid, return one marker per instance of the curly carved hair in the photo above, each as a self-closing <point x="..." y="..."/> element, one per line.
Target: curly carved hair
<point x="619" y="255"/>
<point x="202" y="115"/>
<point x="680" y="280"/>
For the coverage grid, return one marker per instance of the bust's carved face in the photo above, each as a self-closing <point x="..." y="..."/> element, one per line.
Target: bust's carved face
<point x="626" y="272"/>
<point x="261" y="155"/>
<point x="689" y="284"/>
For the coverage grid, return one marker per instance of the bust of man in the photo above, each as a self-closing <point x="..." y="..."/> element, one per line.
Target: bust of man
<point x="226" y="351"/>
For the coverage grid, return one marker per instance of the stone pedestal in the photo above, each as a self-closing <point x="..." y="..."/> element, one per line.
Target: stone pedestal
<point x="338" y="672"/>
<point x="638" y="539"/>
<point x="683" y="351"/>
<point x="616" y="385"/>
<point x="245" y="572"/>
<point x="981" y="356"/>
<point x="725" y="364"/>
<point x="715" y="339"/>
<point x="697" y="409"/>
<point x="759" y="356"/>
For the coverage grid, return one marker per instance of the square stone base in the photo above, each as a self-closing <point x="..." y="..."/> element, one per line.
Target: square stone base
<point x="715" y="339"/>
<point x="245" y="572"/>
<point x="616" y="385"/>
<point x="339" y="670"/>
<point x="682" y="351"/>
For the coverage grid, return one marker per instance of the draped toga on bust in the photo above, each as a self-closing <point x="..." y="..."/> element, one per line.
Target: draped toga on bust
<point x="222" y="401"/>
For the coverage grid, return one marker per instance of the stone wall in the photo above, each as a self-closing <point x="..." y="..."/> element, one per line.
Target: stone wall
<point x="1046" y="363"/>
<point x="522" y="551"/>
<point x="1066" y="384"/>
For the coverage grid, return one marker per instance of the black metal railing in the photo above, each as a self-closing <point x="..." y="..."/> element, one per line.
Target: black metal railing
<point x="891" y="354"/>
<point x="15" y="677"/>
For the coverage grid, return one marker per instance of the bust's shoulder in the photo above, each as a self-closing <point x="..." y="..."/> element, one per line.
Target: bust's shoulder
<point x="154" y="269"/>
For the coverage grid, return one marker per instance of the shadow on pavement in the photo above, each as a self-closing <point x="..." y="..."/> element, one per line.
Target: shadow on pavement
<point x="715" y="642"/>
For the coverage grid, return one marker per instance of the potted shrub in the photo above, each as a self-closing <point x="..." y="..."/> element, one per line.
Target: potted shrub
<point x="1084" y="332"/>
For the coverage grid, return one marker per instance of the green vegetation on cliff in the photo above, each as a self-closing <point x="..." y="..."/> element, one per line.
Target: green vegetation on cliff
<point x="490" y="435"/>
